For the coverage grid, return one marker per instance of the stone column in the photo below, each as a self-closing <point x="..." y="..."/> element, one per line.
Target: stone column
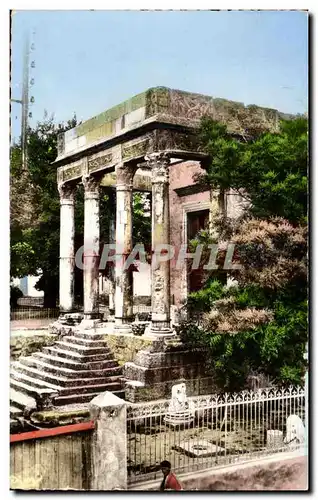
<point x="67" y="230"/>
<point x="123" y="277"/>
<point x="112" y="241"/>
<point x="160" y="270"/>
<point x="91" y="246"/>
<point x="109" y="443"/>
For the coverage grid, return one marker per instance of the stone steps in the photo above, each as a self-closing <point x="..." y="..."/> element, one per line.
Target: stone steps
<point x="63" y="381"/>
<point x="86" y="342"/>
<point x="75" y="365"/>
<point x="50" y="367"/>
<point x="83" y="398"/>
<point x="34" y="382"/>
<point x="81" y="349"/>
<point x="72" y="355"/>
<point x="14" y="426"/>
<point x="15" y="412"/>
<point x="20" y="399"/>
<point x="72" y="371"/>
<point x="85" y="335"/>
<point x="23" y="381"/>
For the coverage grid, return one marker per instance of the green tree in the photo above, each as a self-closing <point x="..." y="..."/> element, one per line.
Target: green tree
<point x="270" y="171"/>
<point x="259" y="325"/>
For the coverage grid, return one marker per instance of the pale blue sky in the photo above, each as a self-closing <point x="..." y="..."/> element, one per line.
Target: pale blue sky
<point x="88" y="61"/>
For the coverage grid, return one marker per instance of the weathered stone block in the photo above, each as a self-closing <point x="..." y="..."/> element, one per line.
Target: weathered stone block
<point x="125" y="347"/>
<point x="26" y="343"/>
<point x="136" y="392"/>
<point x="109" y="444"/>
<point x="151" y="376"/>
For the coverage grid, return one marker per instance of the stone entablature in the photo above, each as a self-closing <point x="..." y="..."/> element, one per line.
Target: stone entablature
<point x="156" y="120"/>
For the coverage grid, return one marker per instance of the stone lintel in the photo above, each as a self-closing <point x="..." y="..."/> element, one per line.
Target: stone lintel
<point x="140" y="182"/>
<point x="193" y="189"/>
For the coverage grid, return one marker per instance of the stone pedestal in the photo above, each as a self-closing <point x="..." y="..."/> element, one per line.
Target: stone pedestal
<point x="165" y="363"/>
<point x="66" y="324"/>
<point x="109" y="444"/>
<point x="181" y="412"/>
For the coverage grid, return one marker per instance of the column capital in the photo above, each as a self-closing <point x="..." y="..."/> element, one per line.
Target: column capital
<point x="91" y="185"/>
<point x="125" y="175"/>
<point x="159" y="163"/>
<point x="66" y="192"/>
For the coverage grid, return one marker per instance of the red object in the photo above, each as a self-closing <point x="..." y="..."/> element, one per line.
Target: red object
<point x="55" y="431"/>
<point x="172" y="482"/>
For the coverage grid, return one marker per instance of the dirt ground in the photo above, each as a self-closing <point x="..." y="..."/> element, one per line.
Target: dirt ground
<point x="288" y="475"/>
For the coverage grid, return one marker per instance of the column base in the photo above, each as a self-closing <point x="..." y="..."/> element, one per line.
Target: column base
<point x="122" y="326"/>
<point x="89" y="323"/>
<point x="66" y="323"/>
<point x="162" y="333"/>
<point x="160" y="330"/>
<point x="93" y="315"/>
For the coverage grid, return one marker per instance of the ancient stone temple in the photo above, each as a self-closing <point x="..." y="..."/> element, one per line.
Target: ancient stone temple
<point x="148" y="143"/>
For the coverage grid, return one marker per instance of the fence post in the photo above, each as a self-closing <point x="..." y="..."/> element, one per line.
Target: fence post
<point x="306" y="400"/>
<point x="109" y="443"/>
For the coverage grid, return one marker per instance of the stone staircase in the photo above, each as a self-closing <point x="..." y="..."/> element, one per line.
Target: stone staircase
<point x="73" y="370"/>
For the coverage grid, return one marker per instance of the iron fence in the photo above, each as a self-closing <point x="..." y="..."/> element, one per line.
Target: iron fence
<point x="38" y="312"/>
<point x="23" y="313"/>
<point x="211" y="431"/>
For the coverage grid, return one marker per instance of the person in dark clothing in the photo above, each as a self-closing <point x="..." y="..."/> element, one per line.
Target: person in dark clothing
<point x="170" y="481"/>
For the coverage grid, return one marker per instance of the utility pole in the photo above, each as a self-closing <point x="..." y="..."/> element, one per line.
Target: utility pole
<point x="25" y="101"/>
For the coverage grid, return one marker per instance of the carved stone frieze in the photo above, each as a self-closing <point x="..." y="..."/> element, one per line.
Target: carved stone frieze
<point x="191" y="106"/>
<point x="135" y="150"/>
<point x="157" y="101"/>
<point x="178" y="141"/>
<point x="99" y="162"/>
<point x="72" y="171"/>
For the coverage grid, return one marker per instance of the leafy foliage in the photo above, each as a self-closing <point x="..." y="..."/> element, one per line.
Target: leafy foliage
<point x="15" y="294"/>
<point x="260" y="324"/>
<point x="270" y="171"/>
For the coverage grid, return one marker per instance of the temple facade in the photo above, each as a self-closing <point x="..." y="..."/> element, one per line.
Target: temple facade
<point x="147" y="143"/>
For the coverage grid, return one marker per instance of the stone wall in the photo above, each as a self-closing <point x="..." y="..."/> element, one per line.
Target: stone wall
<point x="125" y="347"/>
<point x="181" y="175"/>
<point x="156" y="369"/>
<point x="24" y="343"/>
